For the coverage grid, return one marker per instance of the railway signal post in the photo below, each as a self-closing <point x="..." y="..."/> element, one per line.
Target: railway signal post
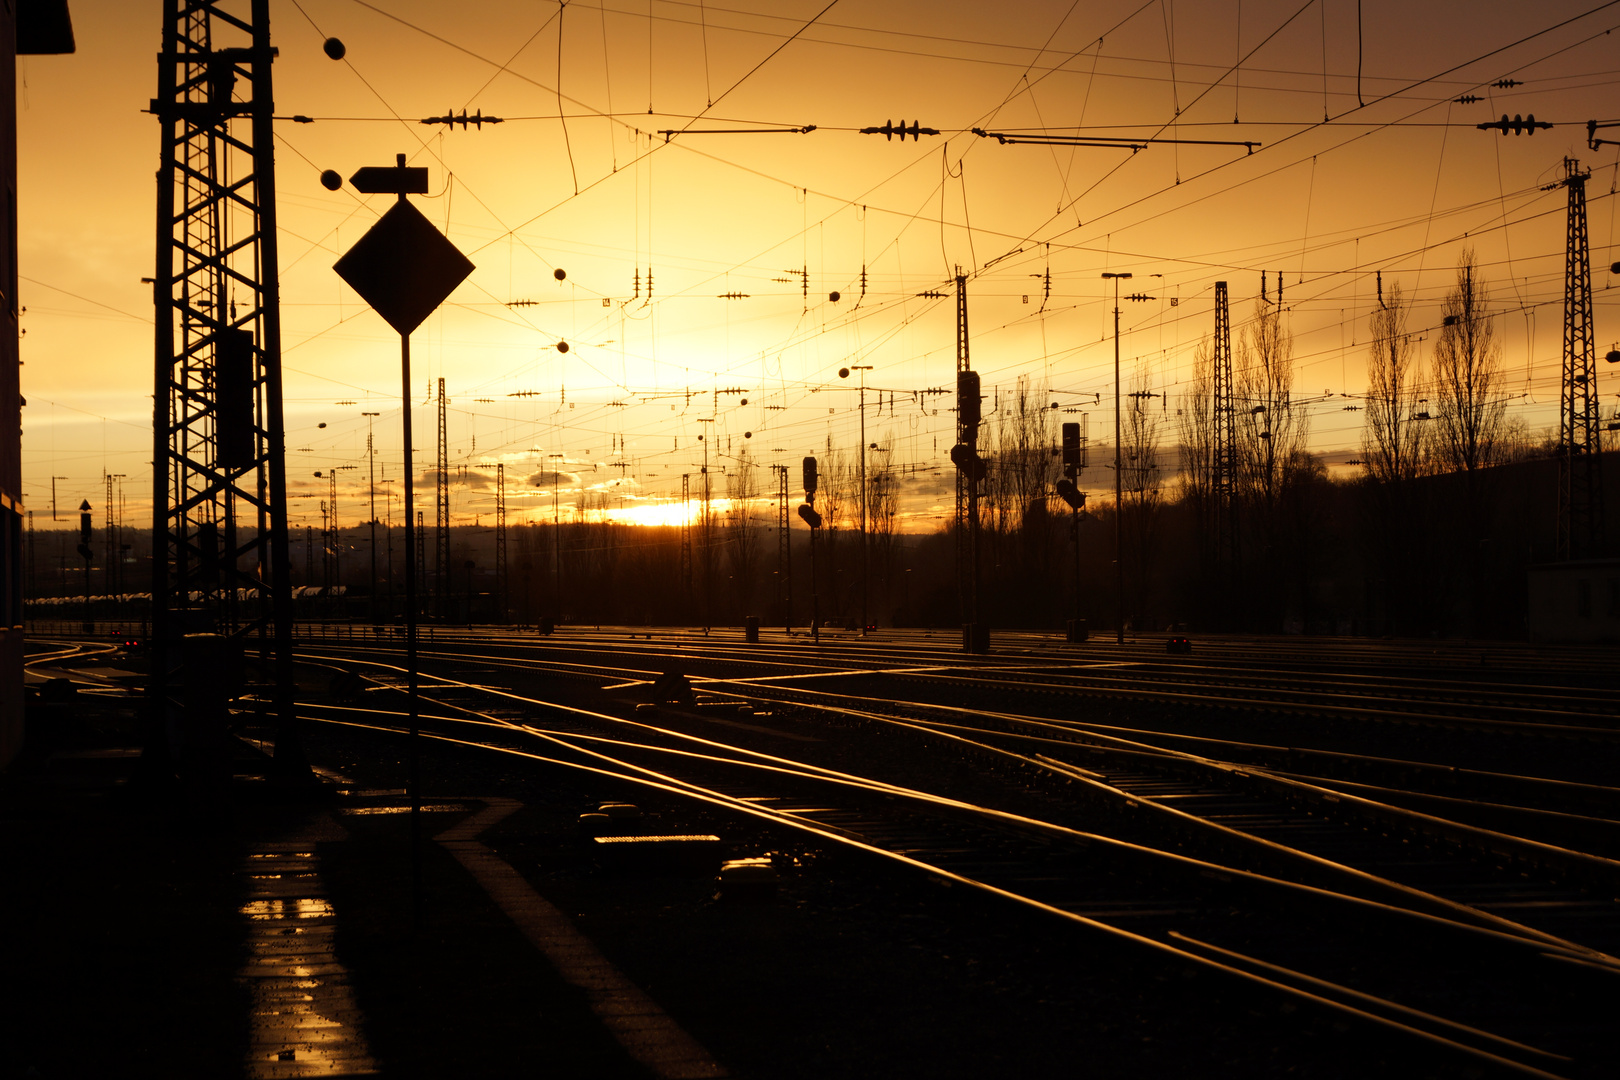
<point x="405" y="268"/>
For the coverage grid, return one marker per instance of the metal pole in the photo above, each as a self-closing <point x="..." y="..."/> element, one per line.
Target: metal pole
<point x="865" y="562"/>
<point x="556" y="548"/>
<point x="1119" y="490"/>
<point x="412" y="689"/>
<point x="371" y="458"/>
<point x="815" y="596"/>
<point x="1078" y="614"/>
<point x="412" y="703"/>
<point x="1119" y="482"/>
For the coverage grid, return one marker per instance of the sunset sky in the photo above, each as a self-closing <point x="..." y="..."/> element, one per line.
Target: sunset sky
<point x="1335" y="193"/>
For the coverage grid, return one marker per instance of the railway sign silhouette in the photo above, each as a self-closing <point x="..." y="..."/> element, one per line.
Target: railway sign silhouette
<point x="403" y="267"/>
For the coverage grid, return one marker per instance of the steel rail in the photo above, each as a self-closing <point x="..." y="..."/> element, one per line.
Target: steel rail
<point x="1320" y="1000"/>
<point x="1453" y="909"/>
<point x="1584" y="865"/>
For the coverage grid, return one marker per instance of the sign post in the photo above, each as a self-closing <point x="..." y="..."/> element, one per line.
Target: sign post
<point x="405" y="268"/>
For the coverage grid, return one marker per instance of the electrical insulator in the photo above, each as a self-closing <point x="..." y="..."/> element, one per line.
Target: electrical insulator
<point x="1466" y="99"/>
<point x="1519" y="125"/>
<point x="889" y="130"/>
<point x="450" y="119"/>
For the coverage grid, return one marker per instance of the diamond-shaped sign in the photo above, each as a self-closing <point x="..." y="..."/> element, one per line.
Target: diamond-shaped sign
<point x="403" y="267"/>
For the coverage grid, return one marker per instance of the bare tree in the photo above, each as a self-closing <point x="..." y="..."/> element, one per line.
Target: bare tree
<point x="836" y="495"/>
<point x="1024" y="469"/>
<point x="1143" y="484"/>
<point x="1467" y="374"/>
<point x="1271" y="429"/>
<point x="1270" y="435"/>
<point x="1195" y="428"/>
<point x="1395" y="445"/>
<point x="1470" y="424"/>
<point x="1394" y="441"/>
<point x="882" y="507"/>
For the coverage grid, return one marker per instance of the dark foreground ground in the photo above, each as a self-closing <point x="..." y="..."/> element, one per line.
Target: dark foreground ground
<point x="124" y="940"/>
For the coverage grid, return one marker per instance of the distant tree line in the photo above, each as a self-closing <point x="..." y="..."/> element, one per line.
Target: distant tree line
<point x="1454" y="500"/>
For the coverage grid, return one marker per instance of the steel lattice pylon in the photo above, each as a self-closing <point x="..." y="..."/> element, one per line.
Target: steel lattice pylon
<point x="1223" y="530"/>
<point x="219" y="520"/>
<point x="967" y="487"/>
<point x="1580" y="491"/>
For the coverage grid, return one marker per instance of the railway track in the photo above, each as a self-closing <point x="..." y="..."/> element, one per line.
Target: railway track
<point x="1424" y="894"/>
<point x="1224" y="865"/>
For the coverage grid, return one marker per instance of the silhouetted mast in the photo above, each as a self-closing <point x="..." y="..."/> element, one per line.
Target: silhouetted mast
<point x="1580" y="490"/>
<point x="218" y="445"/>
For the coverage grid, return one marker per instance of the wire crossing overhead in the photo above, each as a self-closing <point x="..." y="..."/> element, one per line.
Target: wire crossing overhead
<point x="1041" y="137"/>
<point x="889" y="131"/>
<point x="669" y="133"/>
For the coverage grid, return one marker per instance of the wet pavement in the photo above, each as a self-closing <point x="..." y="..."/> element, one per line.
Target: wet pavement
<point x="305" y="1021"/>
<point x="245" y="930"/>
